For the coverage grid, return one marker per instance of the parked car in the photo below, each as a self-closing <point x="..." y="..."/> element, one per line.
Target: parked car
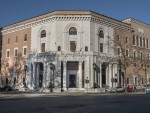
<point x="120" y="89"/>
<point x="117" y="89"/>
<point x="130" y="89"/>
<point x="147" y="89"/>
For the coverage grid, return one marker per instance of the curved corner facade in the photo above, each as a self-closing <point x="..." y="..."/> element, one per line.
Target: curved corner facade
<point x="65" y="51"/>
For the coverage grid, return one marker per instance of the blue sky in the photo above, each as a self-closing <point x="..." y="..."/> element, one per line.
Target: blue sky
<point x="12" y="11"/>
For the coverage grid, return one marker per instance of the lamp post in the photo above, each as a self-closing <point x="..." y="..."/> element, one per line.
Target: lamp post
<point x="24" y="78"/>
<point x="52" y="67"/>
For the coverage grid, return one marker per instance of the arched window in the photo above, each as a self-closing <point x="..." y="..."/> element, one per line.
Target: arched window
<point x="86" y="48"/>
<point x="43" y="33"/>
<point x="72" y="31"/>
<point x="101" y="34"/>
<point x="59" y="48"/>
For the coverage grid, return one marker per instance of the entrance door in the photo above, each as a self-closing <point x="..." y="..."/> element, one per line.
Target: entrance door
<point x="41" y="75"/>
<point x="72" y="81"/>
<point x="103" y="75"/>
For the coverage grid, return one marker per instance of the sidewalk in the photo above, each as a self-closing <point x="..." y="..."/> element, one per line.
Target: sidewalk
<point x="38" y="94"/>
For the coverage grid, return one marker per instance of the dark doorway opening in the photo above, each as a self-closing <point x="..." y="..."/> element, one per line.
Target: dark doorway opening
<point x="104" y="75"/>
<point x="41" y="75"/>
<point x="72" y="81"/>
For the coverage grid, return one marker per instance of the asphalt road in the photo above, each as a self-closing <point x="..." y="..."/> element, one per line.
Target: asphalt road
<point x="76" y="104"/>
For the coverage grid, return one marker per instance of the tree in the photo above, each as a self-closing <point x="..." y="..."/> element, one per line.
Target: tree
<point x="13" y="71"/>
<point x="122" y="47"/>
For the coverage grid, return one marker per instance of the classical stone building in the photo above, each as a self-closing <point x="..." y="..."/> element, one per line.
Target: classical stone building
<point x="66" y="50"/>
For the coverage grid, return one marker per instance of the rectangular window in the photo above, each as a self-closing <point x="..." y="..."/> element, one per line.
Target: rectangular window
<point x="101" y="47"/>
<point x="133" y="39"/>
<point x="142" y="81"/>
<point x="15" y="52"/>
<point x="137" y="40"/>
<point x="134" y="55"/>
<point x="135" y="80"/>
<point x="147" y="42"/>
<point x="118" y="38"/>
<point x="8" y="41"/>
<point x="118" y="51"/>
<point x="141" y="41"/>
<point x="24" y="51"/>
<point x="147" y="57"/>
<point x="126" y="39"/>
<point x="43" y="47"/>
<point x="16" y="41"/>
<point x="127" y="52"/>
<point x="134" y="64"/>
<point x="72" y="46"/>
<point x="8" y="53"/>
<point x="25" y="37"/>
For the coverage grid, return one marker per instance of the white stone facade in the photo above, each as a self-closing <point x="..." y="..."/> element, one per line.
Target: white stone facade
<point x="60" y="60"/>
<point x="57" y="34"/>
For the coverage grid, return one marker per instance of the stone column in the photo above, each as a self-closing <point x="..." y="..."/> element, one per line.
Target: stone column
<point x="110" y="75"/>
<point x="100" y="75"/>
<point x="115" y="75"/>
<point x="65" y="75"/>
<point x="44" y="77"/>
<point x="38" y="73"/>
<point x="33" y="78"/>
<point x="80" y="74"/>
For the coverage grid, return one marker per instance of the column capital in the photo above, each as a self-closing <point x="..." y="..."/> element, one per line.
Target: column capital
<point x="64" y="62"/>
<point x="81" y="61"/>
<point x="33" y="63"/>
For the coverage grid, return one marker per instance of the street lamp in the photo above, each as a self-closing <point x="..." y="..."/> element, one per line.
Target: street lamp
<point x="94" y="68"/>
<point x="52" y="67"/>
<point x="24" y="78"/>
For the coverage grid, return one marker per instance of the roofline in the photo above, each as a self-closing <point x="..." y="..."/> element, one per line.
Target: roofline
<point x="138" y="21"/>
<point x="51" y="12"/>
<point x="109" y="17"/>
<point x="58" y="12"/>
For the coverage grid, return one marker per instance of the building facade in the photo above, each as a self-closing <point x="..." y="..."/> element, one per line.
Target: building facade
<point x="67" y="51"/>
<point x="139" y="71"/>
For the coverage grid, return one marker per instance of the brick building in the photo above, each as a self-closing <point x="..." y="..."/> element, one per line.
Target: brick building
<point x="72" y="51"/>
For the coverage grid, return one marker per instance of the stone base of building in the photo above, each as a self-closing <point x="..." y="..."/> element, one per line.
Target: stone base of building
<point x="50" y="90"/>
<point x="94" y="90"/>
<point x="73" y="90"/>
<point x="23" y="89"/>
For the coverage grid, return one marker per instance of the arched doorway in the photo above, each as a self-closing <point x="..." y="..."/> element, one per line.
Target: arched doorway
<point x="104" y="74"/>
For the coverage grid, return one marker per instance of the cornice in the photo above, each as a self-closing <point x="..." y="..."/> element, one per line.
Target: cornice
<point x="68" y="18"/>
<point x="140" y="23"/>
<point x="111" y="24"/>
<point x="46" y="20"/>
<point x="137" y="22"/>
